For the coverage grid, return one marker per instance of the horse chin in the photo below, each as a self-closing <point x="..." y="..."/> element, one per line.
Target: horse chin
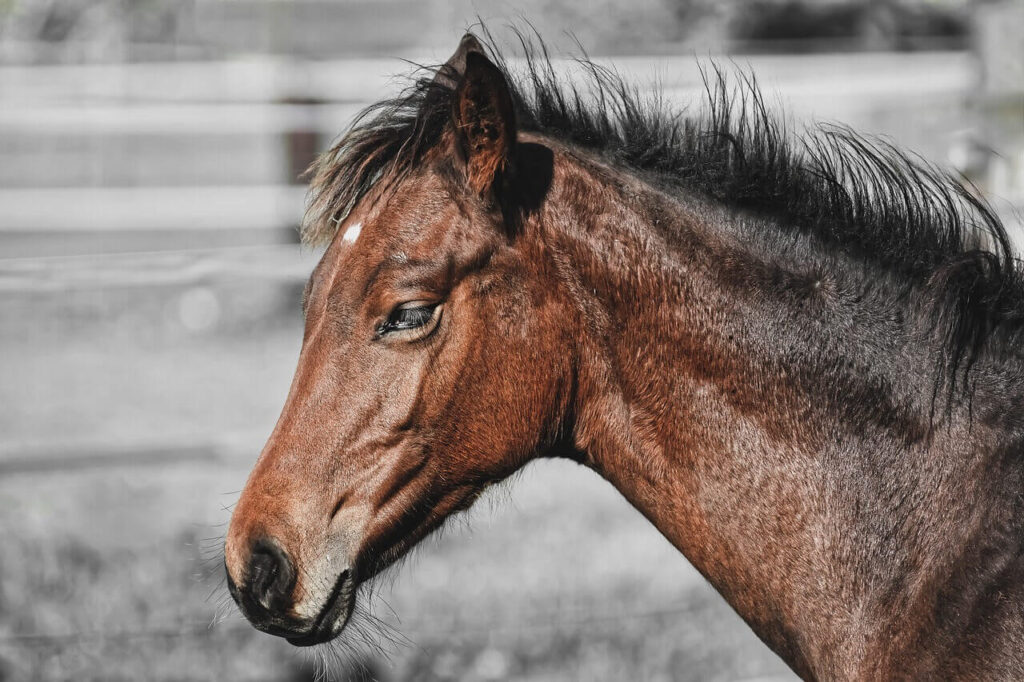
<point x="334" y="615"/>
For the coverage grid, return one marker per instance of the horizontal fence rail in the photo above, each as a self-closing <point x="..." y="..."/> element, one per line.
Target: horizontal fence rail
<point x="356" y="80"/>
<point x="288" y="263"/>
<point x="110" y="209"/>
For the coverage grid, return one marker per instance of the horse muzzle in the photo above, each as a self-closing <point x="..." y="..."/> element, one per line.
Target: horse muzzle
<point x="265" y="595"/>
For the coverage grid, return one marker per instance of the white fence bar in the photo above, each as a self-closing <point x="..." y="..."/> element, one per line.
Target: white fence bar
<point x="109" y="209"/>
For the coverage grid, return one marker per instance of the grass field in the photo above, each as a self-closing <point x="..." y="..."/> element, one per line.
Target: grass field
<point x="110" y="566"/>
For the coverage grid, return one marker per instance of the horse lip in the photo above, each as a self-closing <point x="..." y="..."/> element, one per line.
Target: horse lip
<point x="338" y="608"/>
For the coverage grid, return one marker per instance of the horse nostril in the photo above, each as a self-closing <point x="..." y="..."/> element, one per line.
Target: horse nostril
<point x="270" y="576"/>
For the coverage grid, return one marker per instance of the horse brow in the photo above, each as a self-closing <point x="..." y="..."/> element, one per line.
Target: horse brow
<point x="417" y="266"/>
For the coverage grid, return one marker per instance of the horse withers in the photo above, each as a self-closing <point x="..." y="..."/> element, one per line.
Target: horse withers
<point x="800" y="360"/>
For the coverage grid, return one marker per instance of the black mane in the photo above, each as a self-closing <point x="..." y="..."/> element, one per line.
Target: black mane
<point x="860" y="194"/>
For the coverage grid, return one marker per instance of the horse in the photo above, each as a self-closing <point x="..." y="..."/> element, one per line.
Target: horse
<point x="798" y="356"/>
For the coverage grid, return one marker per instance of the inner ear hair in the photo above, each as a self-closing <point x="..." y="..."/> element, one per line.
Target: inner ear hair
<point x="483" y="119"/>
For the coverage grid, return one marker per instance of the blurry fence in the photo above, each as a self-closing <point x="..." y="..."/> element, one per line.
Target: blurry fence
<point x="179" y="175"/>
<point x="197" y="284"/>
<point x="136" y="157"/>
<point x="287" y="264"/>
<point x="177" y="179"/>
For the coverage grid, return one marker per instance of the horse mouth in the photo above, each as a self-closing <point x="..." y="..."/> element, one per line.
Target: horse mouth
<point x="333" y="616"/>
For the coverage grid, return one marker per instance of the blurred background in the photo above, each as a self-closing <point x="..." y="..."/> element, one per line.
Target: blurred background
<point x="150" y="279"/>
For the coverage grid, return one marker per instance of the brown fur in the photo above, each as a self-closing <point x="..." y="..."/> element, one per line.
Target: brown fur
<point x="637" y="331"/>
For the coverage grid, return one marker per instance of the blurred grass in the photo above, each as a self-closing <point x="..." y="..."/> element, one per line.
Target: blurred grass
<point x="113" y="572"/>
<point x="113" y="565"/>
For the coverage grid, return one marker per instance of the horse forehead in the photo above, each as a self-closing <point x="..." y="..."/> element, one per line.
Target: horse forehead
<point x="402" y="225"/>
<point x="351" y="233"/>
<point x="397" y="219"/>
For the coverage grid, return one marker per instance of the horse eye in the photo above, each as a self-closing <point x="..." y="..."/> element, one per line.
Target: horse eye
<point x="408" y="316"/>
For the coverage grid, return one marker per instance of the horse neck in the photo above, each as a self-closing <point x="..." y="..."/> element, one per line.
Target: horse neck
<point x="774" y="428"/>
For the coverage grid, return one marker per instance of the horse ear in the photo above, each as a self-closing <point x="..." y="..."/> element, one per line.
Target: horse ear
<point x="483" y="119"/>
<point x="450" y="73"/>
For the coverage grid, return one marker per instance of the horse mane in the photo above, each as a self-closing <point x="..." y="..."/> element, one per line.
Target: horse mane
<point x="884" y="207"/>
